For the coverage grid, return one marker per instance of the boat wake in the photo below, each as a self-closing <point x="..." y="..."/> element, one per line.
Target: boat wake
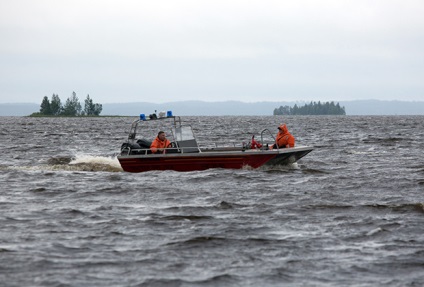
<point x="79" y="162"/>
<point x="279" y="167"/>
<point x="95" y="163"/>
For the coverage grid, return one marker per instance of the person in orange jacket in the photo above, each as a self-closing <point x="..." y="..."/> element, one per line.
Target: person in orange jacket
<point x="284" y="138"/>
<point x="160" y="143"/>
<point x="254" y="144"/>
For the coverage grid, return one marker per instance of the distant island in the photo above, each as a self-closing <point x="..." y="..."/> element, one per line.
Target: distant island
<point x="327" y="108"/>
<point x="72" y="107"/>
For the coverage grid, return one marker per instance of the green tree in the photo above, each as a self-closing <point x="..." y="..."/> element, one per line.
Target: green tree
<point x="97" y="109"/>
<point x="91" y="109"/>
<point x="88" y="106"/>
<point x="282" y="110"/>
<point x="45" y="106"/>
<point x="313" y="108"/>
<point x="55" y="105"/>
<point x="72" y="106"/>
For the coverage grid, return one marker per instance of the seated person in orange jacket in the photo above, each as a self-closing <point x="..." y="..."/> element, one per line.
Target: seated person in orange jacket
<point x="254" y="144"/>
<point x="160" y="143"/>
<point x="284" y="138"/>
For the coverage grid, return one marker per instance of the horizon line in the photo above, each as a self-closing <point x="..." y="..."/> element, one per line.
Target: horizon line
<point x="238" y="101"/>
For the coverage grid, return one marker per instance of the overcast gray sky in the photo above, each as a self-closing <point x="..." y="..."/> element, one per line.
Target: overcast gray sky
<point x="160" y="51"/>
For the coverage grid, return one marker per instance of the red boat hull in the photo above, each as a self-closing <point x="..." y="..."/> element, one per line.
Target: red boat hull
<point x="206" y="160"/>
<point x="191" y="163"/>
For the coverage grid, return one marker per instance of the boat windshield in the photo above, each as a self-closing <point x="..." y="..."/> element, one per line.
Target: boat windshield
<point x="185" y="139"/>
<point x="183" y="133"/>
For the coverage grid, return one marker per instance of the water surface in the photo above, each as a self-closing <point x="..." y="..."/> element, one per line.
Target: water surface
<point x="349" y="213"/>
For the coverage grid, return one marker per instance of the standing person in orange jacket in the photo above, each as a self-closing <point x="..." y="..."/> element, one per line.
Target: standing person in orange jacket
<point x="254" y="144"/>
<point x="284" y="138"/>
<point x="160" y="143"/>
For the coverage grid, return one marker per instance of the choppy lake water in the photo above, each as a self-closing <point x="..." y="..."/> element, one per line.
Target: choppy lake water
<point x="348" y="214"/>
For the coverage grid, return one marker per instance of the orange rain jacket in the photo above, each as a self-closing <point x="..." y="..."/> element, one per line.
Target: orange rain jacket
<point x="254" y="144"/>
<point x="284" y="138"/>
<point x="157" y="144"/>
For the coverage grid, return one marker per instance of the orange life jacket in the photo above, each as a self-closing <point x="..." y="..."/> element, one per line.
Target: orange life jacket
<point x="284" y="138"/>
<point x="157" y="144"/>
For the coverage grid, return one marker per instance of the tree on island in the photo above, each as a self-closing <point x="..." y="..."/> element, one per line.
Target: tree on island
<point x="55" y="105"/>
<point x="91" y="109"/>
<point x="312" y="109"/>
<point x="71" y="108"/>
<point x="45" y="107"/>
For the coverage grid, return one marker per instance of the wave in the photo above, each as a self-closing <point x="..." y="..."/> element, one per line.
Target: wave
<point x="374" y="231"/>
<point x="198" y="240"/>
<point x="187" y="217"/>
<point x="383" y="141"/>
<point x="212" y="280"/>
<point x="279" y="167"/>
<point x="401" y="208"/>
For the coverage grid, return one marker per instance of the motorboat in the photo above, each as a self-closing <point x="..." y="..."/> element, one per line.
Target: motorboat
<point x="185" y="154"/>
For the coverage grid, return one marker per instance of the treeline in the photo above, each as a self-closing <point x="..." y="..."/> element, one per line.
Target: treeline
<point x="71" y="108"/>
<point x="313" y="108"/>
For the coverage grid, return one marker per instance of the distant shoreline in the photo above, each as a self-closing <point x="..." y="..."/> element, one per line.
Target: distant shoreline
<point x="229" y="108"/>
<point x="62" y="116"/>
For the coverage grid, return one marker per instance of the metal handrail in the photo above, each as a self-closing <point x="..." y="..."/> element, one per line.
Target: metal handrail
<point x="133" y="130"/>
<point x="270" y="133"/>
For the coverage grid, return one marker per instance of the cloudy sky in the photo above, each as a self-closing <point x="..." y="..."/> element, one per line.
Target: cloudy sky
<point x="212" y="50"/>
